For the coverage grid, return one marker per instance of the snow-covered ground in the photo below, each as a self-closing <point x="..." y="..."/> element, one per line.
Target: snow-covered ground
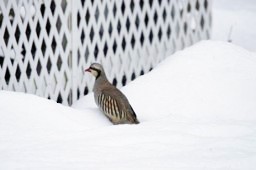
<point x="235" y="20"/>
<point x="197" y="111"/>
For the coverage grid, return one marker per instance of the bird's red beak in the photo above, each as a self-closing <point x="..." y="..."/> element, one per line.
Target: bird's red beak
<point x="88" y="70"/>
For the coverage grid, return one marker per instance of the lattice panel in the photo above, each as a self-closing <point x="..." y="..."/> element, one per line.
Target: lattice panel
<point x="38" y="33"/>
<point x="45" y="45"/>
<point x="129" y="37"/>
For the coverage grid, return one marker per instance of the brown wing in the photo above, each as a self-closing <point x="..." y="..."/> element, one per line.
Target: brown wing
<point x="115" y="105"/>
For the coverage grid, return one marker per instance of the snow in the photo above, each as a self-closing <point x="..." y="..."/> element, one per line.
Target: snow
<point x="197" y="111"/>
<point x="235" y="20"/>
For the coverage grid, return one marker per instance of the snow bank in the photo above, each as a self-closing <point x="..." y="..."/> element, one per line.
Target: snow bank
<point x="197" y="111"/>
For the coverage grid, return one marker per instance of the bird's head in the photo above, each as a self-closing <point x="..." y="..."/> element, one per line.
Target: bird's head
<point x="95" y="69"/>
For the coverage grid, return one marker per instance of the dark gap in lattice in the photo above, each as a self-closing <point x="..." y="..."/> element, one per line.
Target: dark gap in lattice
<point x="64" y="5"/>
<point x="105" y="49"/>
<point x="42" y="9"/>
<point x="133" y="41"/>
<point x="151" y="3"/>
<point x="64" y="42"/>
<point x="110" y="29"/>
<point x="142" y="39"/>
<point x="114" y="10"/>
<point x="101" y="32"/>
<point x="91" y="34"/>
<point x="48" y="26"/>
<point x="124" y="80"/>
<point x="123" y="43"/>
<point x="78" y="19"/>
<point x="155" y="17"/>
<point x="202" y="22"/>
<point x="49" y="65"/>
<point x="58" y="24"/>
<point x="7" y="76"/>
<point x="65" y="80"/>
<point x="189" y="8"/>
<point x="142" y="72"/>
<point x="87" y="16"/>
<point x="197" y="5"/>
<point x="1" y="61"/>
<point x="141" y="4"/>
<point x="119" y="26"/>
<point x="28" y="31"/>
<point x="96" y="51"/>
<point x="52" y="6"/>
<point x="83" y="1"/>
<point x="86" y="55"/>
<point x="181" y="12"/>
<point x="70" y="97"/>
<point x="132" y="5"/>
<point x="205" y="4"/>
<point x="151" y="36"/>
<point x="11" y="15"/>
<point x="18" y="73"/>
<point x="6" y="36"/>
<point x="59" y="99"/>
<point x="92" y="1"/>
<point x="54" y="45"/>
<point x="23" y="51"/>
<point x="59" y="62"/>
<point x="164" y="15"/>
<point x="173" y="12"/>
<point x="133" y="76"/>
<point x="86" y="91"/>
<point x="114" y="46"/>
<point x="106" y="12"/>
<point x="43" y="47"/>
<point x="12" y="60"/>
<point x="28" y="70"/>
<point x="78" y="93"/>
<point x="159" y="2"/>
<point x="185" y="27"/>
<point x="38" y="68"/>
<point x="38" y="29"/>
<point x="17" y="34"/>
<point x="160" y="33"/>
<point x="97" y="14"/>
<point x="33" y="50"/>
<point x="78" y="57"/>
<point x="1" y="19"/>
<point x="123" y="7"/>
<point x="114" y="82"/>
<point x="169" y="31"/>
<point x="137" y="21"/>
<point x="82" y="37"/>
<point x="128" y="24"/>
<point x="146" y="19"/>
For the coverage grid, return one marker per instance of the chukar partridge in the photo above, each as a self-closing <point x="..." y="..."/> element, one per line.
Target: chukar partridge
<point x="111" y="101"/>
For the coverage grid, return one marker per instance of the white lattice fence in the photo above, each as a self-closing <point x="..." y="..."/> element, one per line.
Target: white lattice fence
<point x="45" y="45"/>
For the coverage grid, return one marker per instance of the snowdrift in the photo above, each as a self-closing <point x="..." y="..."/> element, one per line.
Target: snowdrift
<point x="197" y="111"/>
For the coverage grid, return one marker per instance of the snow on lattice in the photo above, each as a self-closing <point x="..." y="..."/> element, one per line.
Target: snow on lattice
<point x="45" y="45"/>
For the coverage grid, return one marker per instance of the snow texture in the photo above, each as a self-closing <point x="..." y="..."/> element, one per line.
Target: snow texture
<point x="197" y="111"/>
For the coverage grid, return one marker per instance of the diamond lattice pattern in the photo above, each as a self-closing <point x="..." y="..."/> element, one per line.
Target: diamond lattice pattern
<point x="45" y="45"/>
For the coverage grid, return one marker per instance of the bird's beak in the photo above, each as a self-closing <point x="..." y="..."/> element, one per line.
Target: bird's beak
<point x="87" y="70"/>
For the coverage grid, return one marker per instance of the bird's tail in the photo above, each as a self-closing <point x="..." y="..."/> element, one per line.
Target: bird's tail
<point x="134" y="117"/>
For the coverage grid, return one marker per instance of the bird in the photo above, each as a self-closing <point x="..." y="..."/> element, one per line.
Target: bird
<point x="110" y="100"/>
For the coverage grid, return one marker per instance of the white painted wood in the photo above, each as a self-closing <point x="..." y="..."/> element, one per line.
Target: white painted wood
<point x="45" y="45"/>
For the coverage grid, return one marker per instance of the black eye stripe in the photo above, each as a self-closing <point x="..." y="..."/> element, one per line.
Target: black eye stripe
<point x="97" y="70"/>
